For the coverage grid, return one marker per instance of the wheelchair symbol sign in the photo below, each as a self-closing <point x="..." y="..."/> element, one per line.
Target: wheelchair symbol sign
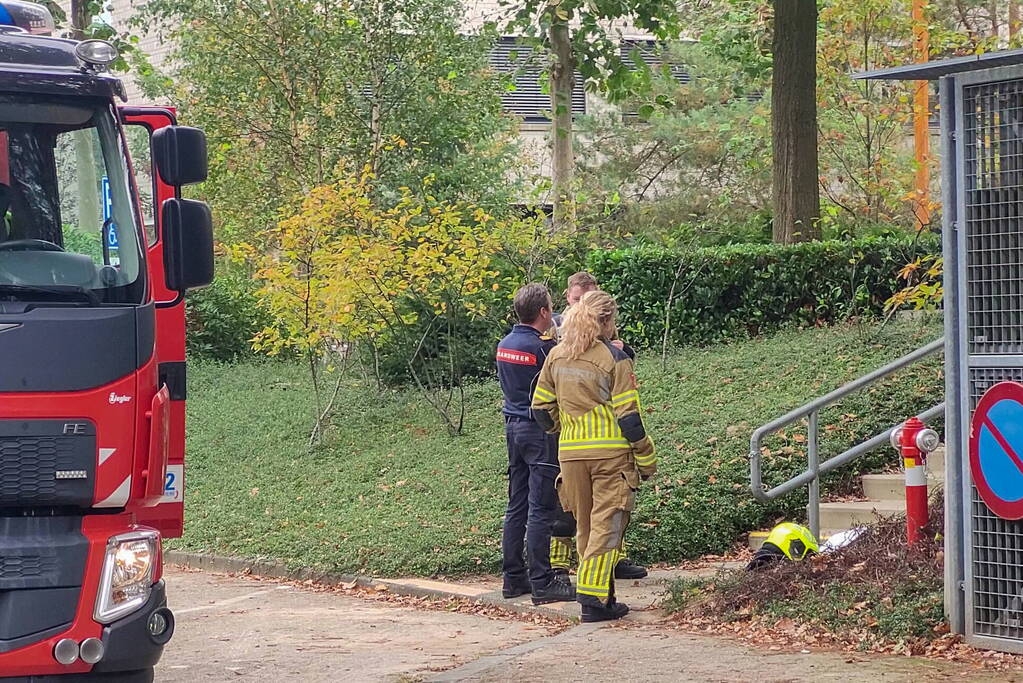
<point x="108" y="212"/>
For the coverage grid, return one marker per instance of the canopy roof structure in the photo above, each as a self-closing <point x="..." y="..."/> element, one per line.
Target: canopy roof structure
<point x="929" y="71"/>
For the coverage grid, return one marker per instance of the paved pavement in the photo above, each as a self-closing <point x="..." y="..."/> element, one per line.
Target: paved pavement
<point x="235" y="627"/>
<point x="239" y="628"/>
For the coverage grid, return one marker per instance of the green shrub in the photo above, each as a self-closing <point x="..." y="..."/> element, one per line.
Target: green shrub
<point x="222" y="319"/>
<point x="745" y="290"/>
<point x="83" y="242"/>
<point x="454" y="346"/>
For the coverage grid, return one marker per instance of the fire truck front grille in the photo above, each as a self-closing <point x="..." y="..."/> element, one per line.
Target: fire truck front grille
<point x="42" y="565"/>
<point x="46" y="463"/>
<point x="26" y="567"/>
<point x="27" y="468"/>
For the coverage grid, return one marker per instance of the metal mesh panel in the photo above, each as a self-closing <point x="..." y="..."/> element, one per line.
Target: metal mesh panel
<point x="993" y="177"/>
<point x="997" y="543"/>
<point x="997" y="573"/>
<point x="982" y="379"/>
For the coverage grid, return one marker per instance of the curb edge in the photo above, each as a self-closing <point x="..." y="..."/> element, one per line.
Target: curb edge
<point x="277" y="570"/>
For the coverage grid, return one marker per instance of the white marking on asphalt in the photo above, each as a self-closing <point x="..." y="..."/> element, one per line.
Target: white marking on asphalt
<point x="230" y="601"/>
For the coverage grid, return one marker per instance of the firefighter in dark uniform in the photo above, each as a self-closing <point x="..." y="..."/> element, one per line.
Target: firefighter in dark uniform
<point x="532" y="456"/>
<point x="587" y="394"/>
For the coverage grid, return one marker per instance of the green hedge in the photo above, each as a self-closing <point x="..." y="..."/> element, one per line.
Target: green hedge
<point x="748" y="289"/>
<point x="222" y="319"/>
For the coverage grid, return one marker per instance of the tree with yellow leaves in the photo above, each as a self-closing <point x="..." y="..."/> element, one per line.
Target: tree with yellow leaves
<point x="345" y="270"/>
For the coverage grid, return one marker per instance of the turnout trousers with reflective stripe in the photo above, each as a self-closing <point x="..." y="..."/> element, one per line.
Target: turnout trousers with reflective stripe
<point x="562" y="540"/>
<point x="601" y="493"/>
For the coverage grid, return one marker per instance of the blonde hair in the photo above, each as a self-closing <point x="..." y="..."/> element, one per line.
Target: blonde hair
<point x="593" y="317"/>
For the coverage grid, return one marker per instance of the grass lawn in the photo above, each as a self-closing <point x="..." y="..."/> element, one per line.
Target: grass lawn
<point x="389" y="492"/>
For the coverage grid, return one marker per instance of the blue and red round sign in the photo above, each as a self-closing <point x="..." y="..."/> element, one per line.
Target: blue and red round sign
<point x="996" y="449"/>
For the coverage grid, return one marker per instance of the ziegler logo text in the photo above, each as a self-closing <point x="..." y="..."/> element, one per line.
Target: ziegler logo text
<point x="116" y="398"/>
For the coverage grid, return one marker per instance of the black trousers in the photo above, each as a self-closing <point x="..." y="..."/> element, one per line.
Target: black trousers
<point x="532" y="503"/>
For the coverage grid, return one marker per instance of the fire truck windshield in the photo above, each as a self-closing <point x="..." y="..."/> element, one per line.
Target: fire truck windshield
<point x="68" y="224"/>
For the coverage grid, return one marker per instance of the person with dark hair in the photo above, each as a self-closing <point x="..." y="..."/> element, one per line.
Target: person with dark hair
<point x="587" y="394"/>
<point x="532" y="456"/>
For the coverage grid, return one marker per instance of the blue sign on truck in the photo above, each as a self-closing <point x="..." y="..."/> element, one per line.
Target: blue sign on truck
<point x="108" y="212"/>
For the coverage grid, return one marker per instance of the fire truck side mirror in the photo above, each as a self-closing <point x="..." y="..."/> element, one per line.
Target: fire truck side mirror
<point x="187" y="244"/>
<point x="179" y="153"/>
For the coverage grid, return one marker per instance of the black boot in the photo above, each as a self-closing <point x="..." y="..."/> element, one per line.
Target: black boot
<point x="515" y="588"/>
<point x="558" y="590"/>
<point x="613" y="610"/>
<point x="627" y="569"/>
<point x="560" y="571"/>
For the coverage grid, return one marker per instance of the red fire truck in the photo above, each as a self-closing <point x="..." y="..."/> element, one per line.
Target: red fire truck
<point x="95" y="257"/>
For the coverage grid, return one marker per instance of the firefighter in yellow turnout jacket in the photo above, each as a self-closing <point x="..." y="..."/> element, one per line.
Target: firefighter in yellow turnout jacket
<point x="587" y="392"/>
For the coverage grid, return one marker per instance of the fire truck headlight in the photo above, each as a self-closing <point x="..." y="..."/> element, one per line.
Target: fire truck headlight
<point x="127" y="577"/>
<point x="96" y="52"/>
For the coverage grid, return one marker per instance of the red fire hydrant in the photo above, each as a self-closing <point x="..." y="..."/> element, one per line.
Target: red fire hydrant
<point x="914" y="440"/>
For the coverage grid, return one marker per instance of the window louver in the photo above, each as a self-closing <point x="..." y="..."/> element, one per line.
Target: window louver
<point x="529" y="98"/>
<point x="652" y="56"/>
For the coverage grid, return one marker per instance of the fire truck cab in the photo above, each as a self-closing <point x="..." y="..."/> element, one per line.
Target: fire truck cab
<point x="95" y="258"/>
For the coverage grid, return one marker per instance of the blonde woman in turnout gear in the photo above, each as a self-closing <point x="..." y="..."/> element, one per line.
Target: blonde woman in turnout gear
<point x="587" y="393"/>
<point x="563" y="531"/>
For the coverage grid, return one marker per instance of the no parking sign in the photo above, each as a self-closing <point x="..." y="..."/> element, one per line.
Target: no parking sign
<point x="996" y="445"/>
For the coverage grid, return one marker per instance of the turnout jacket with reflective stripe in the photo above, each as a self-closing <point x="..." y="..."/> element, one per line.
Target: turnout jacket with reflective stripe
<point x="593" y="402"/>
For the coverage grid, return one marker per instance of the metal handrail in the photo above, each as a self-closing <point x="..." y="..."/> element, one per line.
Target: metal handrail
<point x="811" y="411"/>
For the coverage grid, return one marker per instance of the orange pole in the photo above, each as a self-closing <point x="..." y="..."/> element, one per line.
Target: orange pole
<point x="921" y="130"/>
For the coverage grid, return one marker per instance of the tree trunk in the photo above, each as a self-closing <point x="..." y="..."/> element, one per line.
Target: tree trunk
<point x="794" y="122"/>
<point x="80" y="19"/>
<point x="563" y="162"/>
<point x="89" y="212"/>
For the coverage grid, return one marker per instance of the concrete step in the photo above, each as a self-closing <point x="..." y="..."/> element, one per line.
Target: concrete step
<point x="893" y="486"/>
<point x="886" y="494"/>
<point x="848" y="515"/>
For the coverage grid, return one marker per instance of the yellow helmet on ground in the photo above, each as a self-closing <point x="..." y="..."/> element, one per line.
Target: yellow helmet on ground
<point x="793" y="541"/>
